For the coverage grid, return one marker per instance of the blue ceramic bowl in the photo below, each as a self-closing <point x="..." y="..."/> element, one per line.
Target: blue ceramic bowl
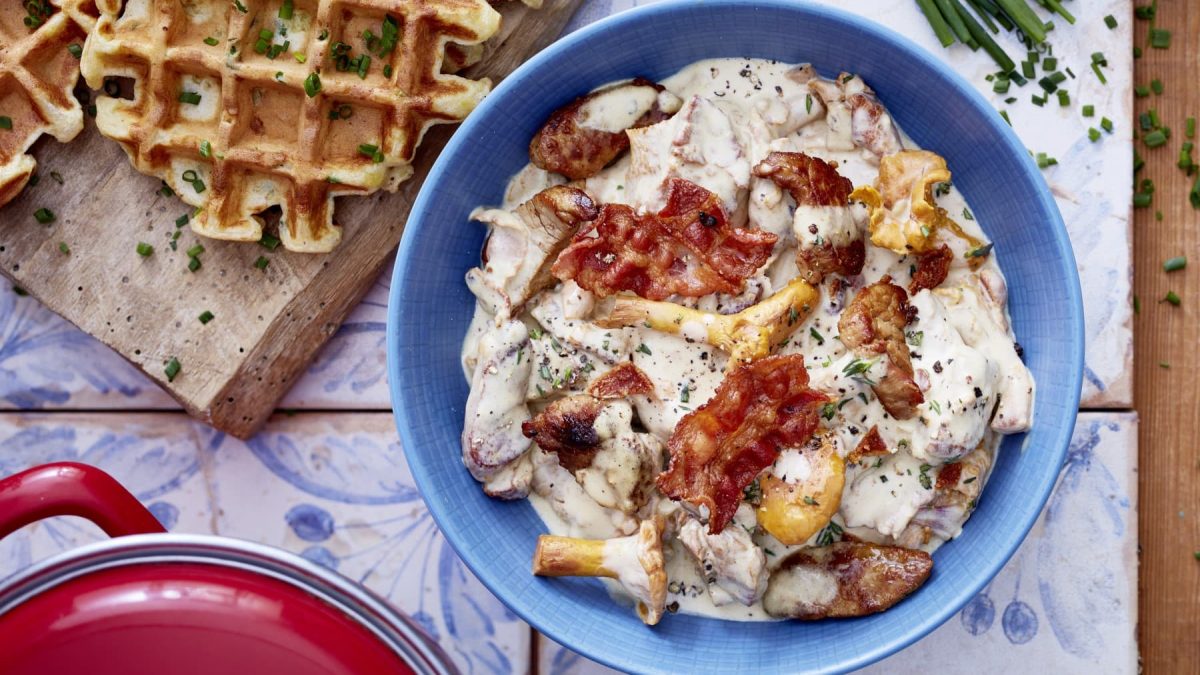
<point x="430" y="308"/>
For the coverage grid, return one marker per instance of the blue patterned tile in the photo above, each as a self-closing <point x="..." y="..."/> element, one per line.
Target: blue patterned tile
<point x="333" y="488"/>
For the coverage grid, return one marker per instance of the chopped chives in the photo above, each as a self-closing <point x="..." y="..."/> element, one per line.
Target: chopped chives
<point x="1093" y="134"/>
<point x="172" y="369"/>
<point x="1045" y="161"/>
<point x="211" y="41"/>
<point x="1190" y="127"/>
<point x="1141" y="200"/>
<point x="1194" y="194"/>
<point x="63" y="248"/>
<point x="1155" y="138"/>
<point x="1049" y="63"/>
<point x="269" y="241"/>
<point x="1039" y="101"/>
<point x="1175" y="264"/>
<point x="1158" y="216"/>
<point x="1141" y="91"/>
<point x="367" y="149"/>
<point x="1089" y="110"/>
<point x="44" y="216"/>
<point x="206" y="316"/>
<point x="1001" y="86"/>
<point x="181" y="220"/>
<point x="189" y="97"/>
<point x="5" y="122"/>
<point x="195" y="250"/>
<point x="1137" y="52"/>
<point x="312" y="84"/>
<point x="145" y="250"/>
<point x="1110" y="21"/>
<point x="1048" y="85"/>
<point x="193" y="264"/>
<point x="198" y="186"/>
<point x="1027" y="70"/>
<point x="205" y="149"/>
<point x="1064" y="99"/>
<point x="262" y="263"/>
<point x="387" y="70"/>
<point x="285" y="10"/>
<point x="300" y="58"/>
<point x="1099" y="75"/>
<point x="1172" y="298"/>
<point x="1157" y="86"/>
<point x="1160" y="38"/>
<point x="1164" y="365"/>
<point x="1144" y="12"/>
<point x="75" y="50"/>
<point x="1004" y="114"/>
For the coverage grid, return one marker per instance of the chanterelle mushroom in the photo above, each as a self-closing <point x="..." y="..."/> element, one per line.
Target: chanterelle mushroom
<point x="748" y="335"/>
<point x="636" y="562"/>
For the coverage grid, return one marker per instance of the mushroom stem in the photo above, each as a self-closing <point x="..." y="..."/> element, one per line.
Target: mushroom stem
<point x="748" y="335"/>
<point x="570" y="557"/>
<point x="636" y="562"/>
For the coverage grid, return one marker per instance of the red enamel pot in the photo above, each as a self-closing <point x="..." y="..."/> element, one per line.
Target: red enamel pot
<point x="164" y="604"/>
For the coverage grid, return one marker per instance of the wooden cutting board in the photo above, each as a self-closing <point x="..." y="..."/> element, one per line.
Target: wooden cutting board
<point x="267" y="324"/>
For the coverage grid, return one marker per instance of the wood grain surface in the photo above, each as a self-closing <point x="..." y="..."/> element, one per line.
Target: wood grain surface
<point x="1168" y="399"/>
<point x="267" y="323"/>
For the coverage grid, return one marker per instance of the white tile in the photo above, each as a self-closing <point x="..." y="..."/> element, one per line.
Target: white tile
<point x="334" y="488"/>
<point x="1067" y="600"/>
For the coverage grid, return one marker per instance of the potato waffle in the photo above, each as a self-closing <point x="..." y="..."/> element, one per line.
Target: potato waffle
<point x="40" y="43"/>
<point x="241" y="106"/>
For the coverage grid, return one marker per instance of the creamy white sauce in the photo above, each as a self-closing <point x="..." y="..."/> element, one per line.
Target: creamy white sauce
<point x="732" y="112"/>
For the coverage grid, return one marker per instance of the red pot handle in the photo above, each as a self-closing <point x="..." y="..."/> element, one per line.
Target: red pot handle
<point x="72" y="489"/>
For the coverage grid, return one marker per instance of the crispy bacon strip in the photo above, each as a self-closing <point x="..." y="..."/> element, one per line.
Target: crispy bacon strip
<point x="576" y="151"/>
<point x="871" y="445"/>
<point x="622" y="381"/>
<point x="567" y="428"/>
<point x="873" y="324"/>
<point x="932" y="268"/>
<point x="948" y="475"/>
<point x="720" y="447"/>
<point x="687" y="249"/>
<point x="814" y="182"/>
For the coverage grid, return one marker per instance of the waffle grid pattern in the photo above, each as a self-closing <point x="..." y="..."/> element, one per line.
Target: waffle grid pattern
<point x="235" y="132"/>
<point x="37" y="74"/>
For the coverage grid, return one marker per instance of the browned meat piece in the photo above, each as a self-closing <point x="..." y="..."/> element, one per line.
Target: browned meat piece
<point x="543" y="227"/>
<point x="567" y="428"/>
<point x="813" y="182"/>
<point x="810" y="180"/>
<point x="868" y="578"/>
<point x="624" y="380"/>
<point x="567" y="146"/>
<point x="932" y="268"/>
<point x="873" y="324"/>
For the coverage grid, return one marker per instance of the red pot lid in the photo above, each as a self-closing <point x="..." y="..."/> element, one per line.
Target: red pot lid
<point x="184" y="618"/>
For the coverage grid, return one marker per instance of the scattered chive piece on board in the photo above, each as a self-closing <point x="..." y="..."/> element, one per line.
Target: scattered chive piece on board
<point x="172" y="369"/>
<point x="1173" y="298"/>
<point x="1173" y="264"/>
<point x="206" y="316"/>
<point x="145" y="250"/>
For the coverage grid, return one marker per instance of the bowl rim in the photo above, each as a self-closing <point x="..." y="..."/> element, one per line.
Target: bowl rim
<point x="873" y="31"/>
